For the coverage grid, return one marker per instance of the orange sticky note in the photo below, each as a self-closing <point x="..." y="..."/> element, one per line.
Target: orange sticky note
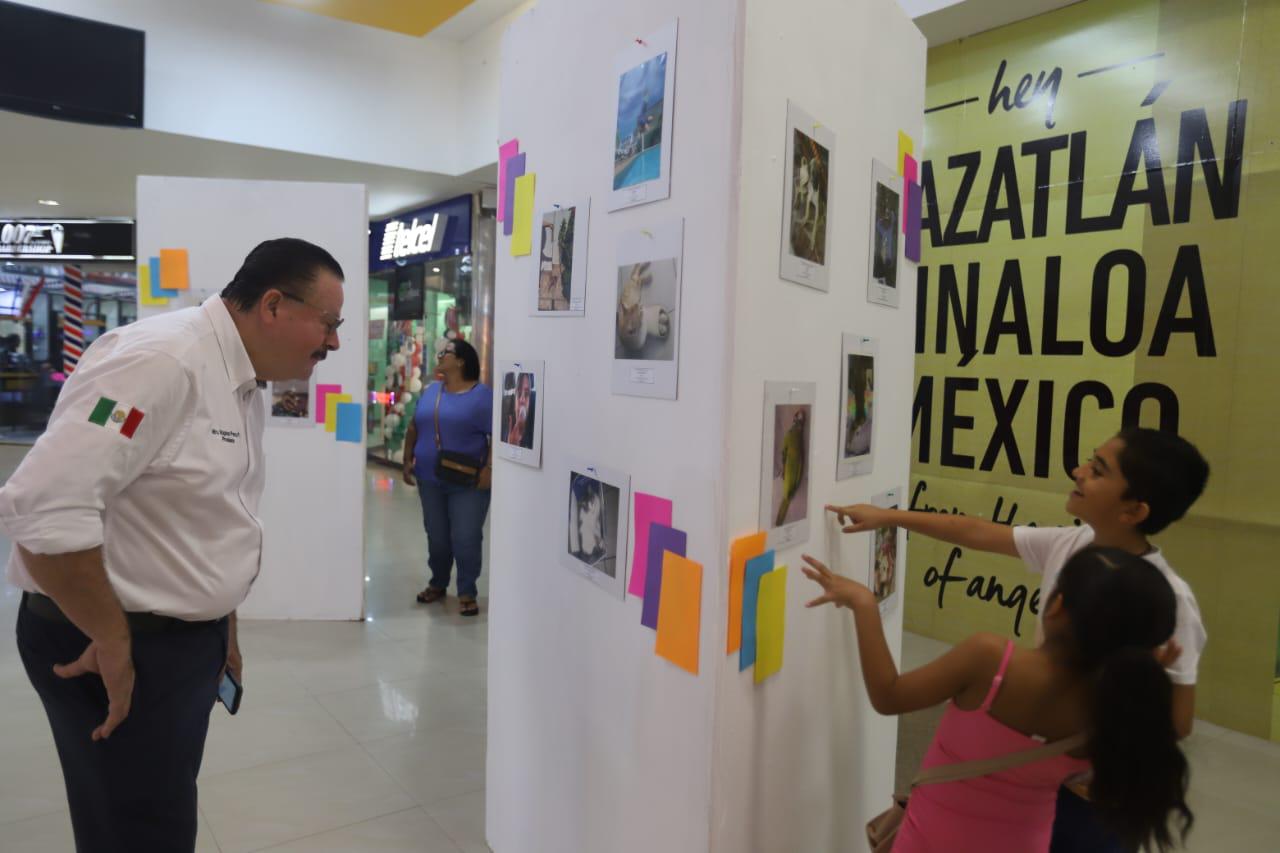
<point x="680" y="612"/>
<point x="740" y="550"/>
<point x="174" y="274"/>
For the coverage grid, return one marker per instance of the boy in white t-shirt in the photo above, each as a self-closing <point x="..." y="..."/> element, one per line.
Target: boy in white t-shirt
<point x="1134" y="486"/>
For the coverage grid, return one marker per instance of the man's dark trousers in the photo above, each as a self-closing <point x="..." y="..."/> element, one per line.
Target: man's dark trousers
<point x="136" y="790"/>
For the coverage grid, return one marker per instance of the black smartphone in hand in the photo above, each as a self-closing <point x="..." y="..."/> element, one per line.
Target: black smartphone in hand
<point x="230" y="692"/>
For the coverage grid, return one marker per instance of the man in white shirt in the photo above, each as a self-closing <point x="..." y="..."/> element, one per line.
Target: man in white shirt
<point x="1134" y="486"/>
<point x="136" y="531"/>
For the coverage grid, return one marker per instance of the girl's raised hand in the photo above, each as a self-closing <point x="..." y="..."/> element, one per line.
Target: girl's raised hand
<point x="836" y="589"/>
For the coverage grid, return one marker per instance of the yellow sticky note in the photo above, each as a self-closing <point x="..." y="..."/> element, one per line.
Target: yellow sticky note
<point x="144" y="288"/>
<point x="174" y="271"/>
<point x="680" y="611"/>
<point x="771" y="622"/>
<point x="905" y="147"/>
<point x="522" y="226"/>
<point x="740" y="550"/>
<point x="331" y="402"/>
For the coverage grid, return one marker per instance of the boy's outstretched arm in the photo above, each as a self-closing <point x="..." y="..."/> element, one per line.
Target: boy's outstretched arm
<point x="966" y="531"/>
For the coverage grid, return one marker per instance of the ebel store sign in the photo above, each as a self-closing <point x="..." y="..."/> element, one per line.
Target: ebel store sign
<point x="417" y="236"/>
<point x="66" y="239"/>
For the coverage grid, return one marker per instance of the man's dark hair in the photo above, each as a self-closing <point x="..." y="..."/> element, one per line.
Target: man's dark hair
<point x="470" y="359"/>
<point x="1164" y="471"/>
<point x="286" y="264"/>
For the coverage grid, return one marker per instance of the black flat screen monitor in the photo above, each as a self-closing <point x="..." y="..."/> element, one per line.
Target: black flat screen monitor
<point x="59" y="66"/>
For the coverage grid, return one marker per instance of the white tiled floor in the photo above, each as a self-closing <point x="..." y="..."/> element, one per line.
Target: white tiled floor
<point x="371" y="736"/>
<point x="352" y="736"/>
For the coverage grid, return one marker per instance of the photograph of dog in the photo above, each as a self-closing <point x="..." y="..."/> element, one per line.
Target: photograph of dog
<point x="810" y="171"/>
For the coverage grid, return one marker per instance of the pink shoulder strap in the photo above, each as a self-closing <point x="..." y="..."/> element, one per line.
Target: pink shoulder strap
<point x="999" y="678"/>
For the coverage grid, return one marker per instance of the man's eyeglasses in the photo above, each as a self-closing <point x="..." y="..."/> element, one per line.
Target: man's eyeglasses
<point x="331" y="326"/>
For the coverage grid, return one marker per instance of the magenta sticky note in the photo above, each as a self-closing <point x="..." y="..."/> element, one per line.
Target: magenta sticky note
<point x="506" y="151"/>
<point x="649" y="510"/>
<point x="661" y="540"/>
<point x="515" y="169"/>
<point x="912" y="248"/>
<point x="323" y="391"/>
<point x="909" y="175"/>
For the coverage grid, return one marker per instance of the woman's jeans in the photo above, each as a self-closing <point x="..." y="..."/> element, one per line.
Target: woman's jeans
<point x="454" y="518"/>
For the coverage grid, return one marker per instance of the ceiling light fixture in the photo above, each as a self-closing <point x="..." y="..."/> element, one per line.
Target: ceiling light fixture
<point x="48" y="202"/>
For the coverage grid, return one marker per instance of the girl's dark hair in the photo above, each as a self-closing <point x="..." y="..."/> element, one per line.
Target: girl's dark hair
<point x="287" y="264"/>
<point x="1121" y="608"/>
<point x="470" y="359"/>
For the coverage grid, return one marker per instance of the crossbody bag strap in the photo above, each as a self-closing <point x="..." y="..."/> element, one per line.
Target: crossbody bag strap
<point x="439" y="397"/>
<point x="987" y="766"/>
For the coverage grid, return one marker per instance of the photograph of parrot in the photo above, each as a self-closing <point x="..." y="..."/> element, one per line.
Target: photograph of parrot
<point x="791" y="463"/>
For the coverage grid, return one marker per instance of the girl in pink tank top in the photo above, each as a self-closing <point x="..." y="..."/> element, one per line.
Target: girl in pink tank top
<point x="1107" y="624"/>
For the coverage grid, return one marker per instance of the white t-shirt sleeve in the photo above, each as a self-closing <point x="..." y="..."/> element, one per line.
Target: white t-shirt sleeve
<point x="1047" y="549"/>
<point x="1189" y="633"/>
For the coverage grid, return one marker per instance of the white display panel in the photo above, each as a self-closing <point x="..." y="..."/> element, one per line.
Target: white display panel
<point x="313" y="506"/>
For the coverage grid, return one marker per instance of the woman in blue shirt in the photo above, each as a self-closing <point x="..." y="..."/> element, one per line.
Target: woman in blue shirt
<point x="452" y="514"/>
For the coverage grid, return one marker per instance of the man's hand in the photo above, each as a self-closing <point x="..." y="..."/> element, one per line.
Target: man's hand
<point x="485" y="482"/>
<point x="113" y="663"/>
<point x="858" y="518"/>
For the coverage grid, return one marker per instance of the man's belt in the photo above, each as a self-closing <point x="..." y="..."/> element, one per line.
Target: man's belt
<point x="139" y="623"/>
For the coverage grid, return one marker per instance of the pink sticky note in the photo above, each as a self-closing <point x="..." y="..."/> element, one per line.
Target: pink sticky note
<point x="909" y="169"/>
<point x="649" y="509"/>
<point x="323" y="391"/>
<point x="506" y="151"/>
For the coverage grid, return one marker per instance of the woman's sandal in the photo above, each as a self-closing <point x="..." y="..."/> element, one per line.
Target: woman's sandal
<point x="468" y="607"/>
<point x="430" y="595"/>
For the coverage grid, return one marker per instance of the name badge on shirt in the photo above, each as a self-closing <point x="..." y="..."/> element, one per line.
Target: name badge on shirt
<point x="227" y="435"/>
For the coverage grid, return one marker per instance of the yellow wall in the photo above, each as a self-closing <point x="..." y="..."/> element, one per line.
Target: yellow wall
<point x="1228" y="401"/>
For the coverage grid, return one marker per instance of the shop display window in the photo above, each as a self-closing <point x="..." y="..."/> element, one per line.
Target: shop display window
<point x="413" y="310"/>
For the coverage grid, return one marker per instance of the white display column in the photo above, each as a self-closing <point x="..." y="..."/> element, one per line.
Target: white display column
<point x="313" y="506"/>
<point x="596" y="742"/>
<point x="803" y="761"/>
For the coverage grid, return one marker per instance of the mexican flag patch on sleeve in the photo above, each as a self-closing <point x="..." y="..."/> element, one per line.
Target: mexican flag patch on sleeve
<point x="118" y="417"/>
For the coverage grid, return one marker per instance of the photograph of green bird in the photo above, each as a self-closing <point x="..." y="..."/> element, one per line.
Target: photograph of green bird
<point x="791" y="464"/>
